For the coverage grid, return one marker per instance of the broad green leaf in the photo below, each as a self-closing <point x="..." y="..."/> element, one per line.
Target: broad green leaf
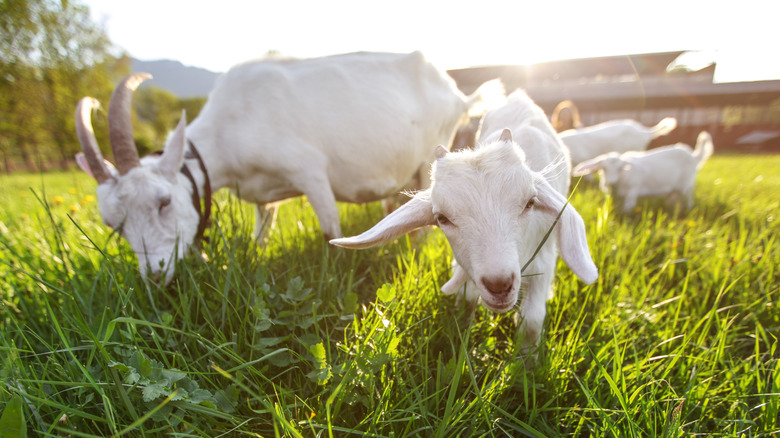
<point x="173" y="375"/>
<point x="144" y="364"/>
<point x="318" y="351"/>
<point x="12" y="423"/>
<point x="386" y="293"/>
<point x="153" y="391"/>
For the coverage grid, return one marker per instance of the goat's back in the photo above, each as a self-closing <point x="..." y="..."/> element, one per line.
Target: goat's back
<point x="365" y="115"/>
<point x="612" y="136"/>
<point x="666" y="159"/>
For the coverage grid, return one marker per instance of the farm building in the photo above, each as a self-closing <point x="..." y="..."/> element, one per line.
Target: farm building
<point x="741" y="116"/>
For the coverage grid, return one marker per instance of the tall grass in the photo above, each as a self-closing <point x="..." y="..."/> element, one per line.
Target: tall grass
<point x="678" y="337"/>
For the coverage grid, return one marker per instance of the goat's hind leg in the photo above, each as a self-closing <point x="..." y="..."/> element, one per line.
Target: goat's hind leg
<point x="316" y="186"/>
<point x="265" y="217"/>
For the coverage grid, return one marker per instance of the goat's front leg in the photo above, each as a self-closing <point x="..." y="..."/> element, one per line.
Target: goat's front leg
<point x="629" y="202"/>
<point x="537" y="289"/>
<point x="457" y="280"/>
<point x="461" y="284"/>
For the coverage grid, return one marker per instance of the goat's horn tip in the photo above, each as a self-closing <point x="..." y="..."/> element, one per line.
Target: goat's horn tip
<point x="134" y="80"/>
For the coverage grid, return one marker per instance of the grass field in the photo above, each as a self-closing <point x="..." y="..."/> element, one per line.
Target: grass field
<point x="678" y="337"/>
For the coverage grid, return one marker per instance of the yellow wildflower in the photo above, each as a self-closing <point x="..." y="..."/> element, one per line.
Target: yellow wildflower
<point x="57" y="200"/>
<point x="73" y="208"/>
<point x="87" y="199"/>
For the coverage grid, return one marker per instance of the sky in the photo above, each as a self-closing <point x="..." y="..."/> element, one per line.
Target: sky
<point x="740" y="36"/>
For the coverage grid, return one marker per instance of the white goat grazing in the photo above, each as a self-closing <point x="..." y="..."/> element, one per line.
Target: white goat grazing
<point x="657" y="172"/>
<point x="495" y="204"/>
<point x="356" y="127"/>
<point x="613" y="136"/>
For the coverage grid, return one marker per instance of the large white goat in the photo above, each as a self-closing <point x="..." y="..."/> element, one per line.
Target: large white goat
<point x="613" y="136"/>
<point x="496" y="204"/>
<point x="658" y="172"/>
<point x="356" y="127"/>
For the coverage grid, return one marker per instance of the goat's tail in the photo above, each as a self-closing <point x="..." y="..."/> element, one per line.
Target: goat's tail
<point x="488" y="96"/>
<point x="664" y="127"/>
<point x="704" y="148"/>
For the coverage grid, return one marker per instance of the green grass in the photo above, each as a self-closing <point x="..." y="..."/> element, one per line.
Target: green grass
<point x="678" y="337"/>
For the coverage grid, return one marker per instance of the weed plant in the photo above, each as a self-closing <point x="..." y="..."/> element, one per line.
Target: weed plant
<point x="678" y="337"/>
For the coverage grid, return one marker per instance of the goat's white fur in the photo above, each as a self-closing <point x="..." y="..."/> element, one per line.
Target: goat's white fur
<point x="613" y="136"/>
<point x="495" y="204"/>
<point x="356" y="127"/>
<point x="657" y="172"/>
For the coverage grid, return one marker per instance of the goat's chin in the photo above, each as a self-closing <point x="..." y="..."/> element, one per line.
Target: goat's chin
<point x="500" y="306"/>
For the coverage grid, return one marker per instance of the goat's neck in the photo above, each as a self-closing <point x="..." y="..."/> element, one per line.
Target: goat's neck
<point x="214" y="164"/>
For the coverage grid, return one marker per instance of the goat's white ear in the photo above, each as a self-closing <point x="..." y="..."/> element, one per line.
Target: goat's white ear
<point x="570" y="230"/>
<point x="81" y="160"/>
<point x="506" y="136"/>
<point x="173" y="155"/>
<point x="440" y="152"/>
<point x="414" y="214"/>
<point x="586" y="167"/>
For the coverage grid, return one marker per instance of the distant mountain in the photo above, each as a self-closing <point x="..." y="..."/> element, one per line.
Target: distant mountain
<point x="175" y="77"/>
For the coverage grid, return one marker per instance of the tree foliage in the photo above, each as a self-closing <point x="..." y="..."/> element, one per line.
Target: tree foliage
<point x="158" y="112"/>
<point x="51" y="55"/>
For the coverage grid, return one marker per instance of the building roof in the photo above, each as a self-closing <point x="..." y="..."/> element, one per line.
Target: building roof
<point x="633" y="81"/>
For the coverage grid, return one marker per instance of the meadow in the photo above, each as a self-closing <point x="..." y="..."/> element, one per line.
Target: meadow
<point x="678" y="337"/>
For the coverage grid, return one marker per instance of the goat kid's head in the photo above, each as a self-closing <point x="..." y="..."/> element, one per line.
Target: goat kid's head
<point x="495" y="212"/>
<point x="609" y="166"/>
<point x="146" y="200"/>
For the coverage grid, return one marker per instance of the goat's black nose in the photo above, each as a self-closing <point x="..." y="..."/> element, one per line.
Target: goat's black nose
<point x="499" y="286"/>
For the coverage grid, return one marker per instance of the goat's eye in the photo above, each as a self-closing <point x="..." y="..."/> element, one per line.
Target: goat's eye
<point x="531" y="203"/>
<point x="442" y="220"/>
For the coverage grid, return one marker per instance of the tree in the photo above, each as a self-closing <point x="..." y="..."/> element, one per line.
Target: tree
<point x="159" y="112"/>
<point x="51" y="54"/>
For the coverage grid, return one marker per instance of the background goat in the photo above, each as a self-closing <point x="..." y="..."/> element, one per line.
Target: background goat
<point x="495" y="204"/>
<point x="356" y="127"/>
<point x="657" y="172"/>
<point x="613" y="136"/>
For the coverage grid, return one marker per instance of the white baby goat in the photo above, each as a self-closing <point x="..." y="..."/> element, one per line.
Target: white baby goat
<point x="613" y="136"/>
<point x="495" y="204"/>
<point x="356" y="128"/>
<point x="657" y="172"/>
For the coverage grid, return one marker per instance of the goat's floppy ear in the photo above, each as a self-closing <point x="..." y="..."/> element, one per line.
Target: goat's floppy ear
<point x="570" y="231"/>
<point x="173" y="155"/>
<point x="414" y="214"/>
<point x="589" y="166"/>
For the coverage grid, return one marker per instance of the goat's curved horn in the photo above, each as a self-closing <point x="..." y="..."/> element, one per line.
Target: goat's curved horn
<point x="120" y="126"/>
<point x="87" y="139"/>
